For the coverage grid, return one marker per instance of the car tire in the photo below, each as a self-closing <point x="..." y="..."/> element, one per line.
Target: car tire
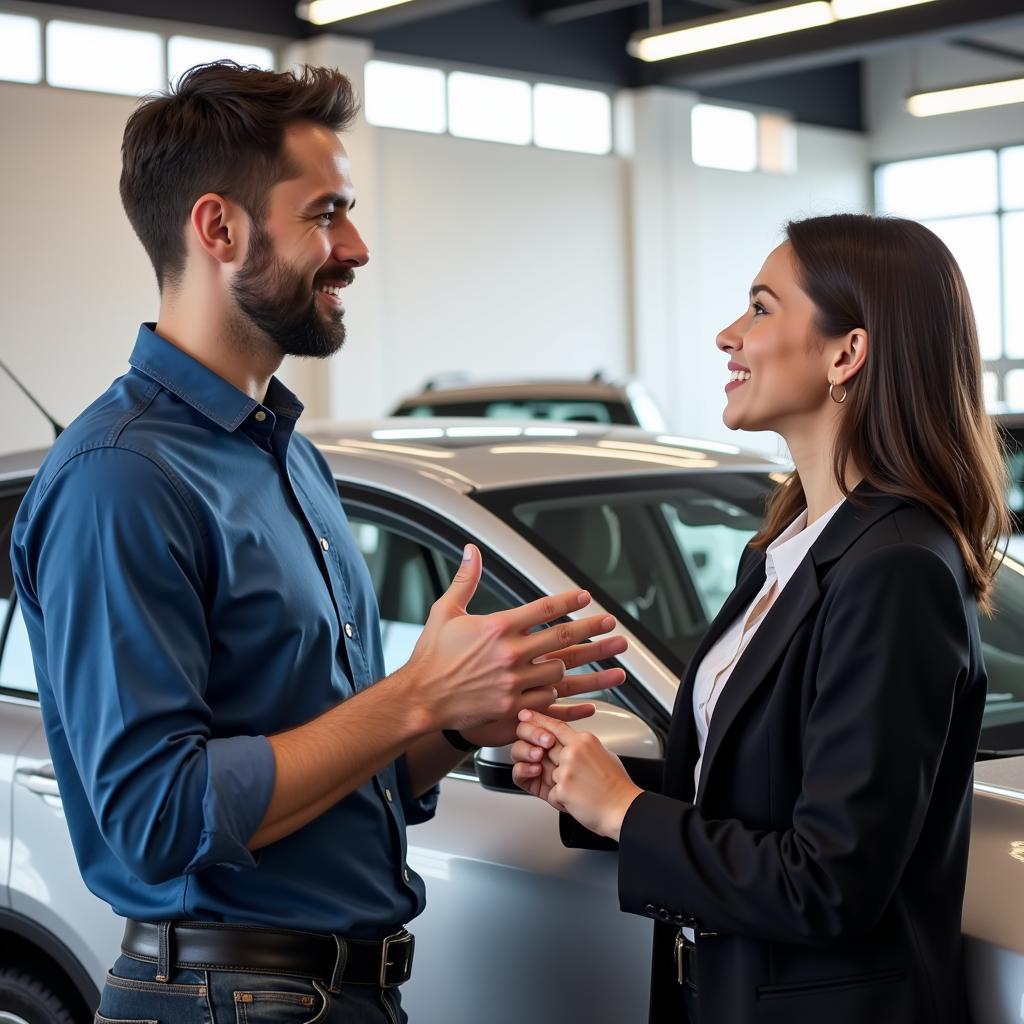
<point x="27" y="999"/>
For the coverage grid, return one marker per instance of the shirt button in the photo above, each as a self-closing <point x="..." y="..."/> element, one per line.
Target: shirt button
<point x="406" y="875"/>
<point x="349" y="630"/>
<point x="325" y="543"/>
<point x="387" y="793"/>
<point x="259" y="416"/>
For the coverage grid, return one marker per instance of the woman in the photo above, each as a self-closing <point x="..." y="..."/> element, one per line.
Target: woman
<point x="805" y="858"/>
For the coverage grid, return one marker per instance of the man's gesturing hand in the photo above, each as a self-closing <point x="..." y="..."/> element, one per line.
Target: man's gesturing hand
<point x="467" y="670"/>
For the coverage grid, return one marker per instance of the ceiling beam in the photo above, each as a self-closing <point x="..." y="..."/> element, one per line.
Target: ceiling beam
<point x="842" y="41"/>
<point x="402" y="14"/>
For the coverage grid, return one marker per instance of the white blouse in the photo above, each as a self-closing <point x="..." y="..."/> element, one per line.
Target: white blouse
<point x="783" y="556"/>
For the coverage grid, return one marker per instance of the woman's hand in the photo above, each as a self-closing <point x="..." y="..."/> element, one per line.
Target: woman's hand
<point x="573" y="772"/>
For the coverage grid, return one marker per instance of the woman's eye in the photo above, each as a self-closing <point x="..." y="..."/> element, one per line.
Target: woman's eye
<point x="759" y="310"/>
<point x="326" y="218"/>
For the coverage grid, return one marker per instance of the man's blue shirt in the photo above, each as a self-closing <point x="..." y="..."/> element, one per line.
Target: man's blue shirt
<point x="191" y="586"/>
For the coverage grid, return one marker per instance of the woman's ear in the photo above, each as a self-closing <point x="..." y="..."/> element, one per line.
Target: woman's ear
<point x="849" y="356"/>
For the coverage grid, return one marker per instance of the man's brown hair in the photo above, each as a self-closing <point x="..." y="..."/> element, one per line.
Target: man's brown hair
<point x="915" y="422"/>
<point x="221" y="129"/>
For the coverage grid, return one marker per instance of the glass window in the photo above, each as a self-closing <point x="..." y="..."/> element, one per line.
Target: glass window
<point x="17" y="672"/>
<point x="489" y="108"/>
<point x="974" y="242"/>
<point x="939" y="186"/>
<point x="573" y="119"/>
<point x="776" y="144"/>
<point x="662" y="561"/>
<point x="1002" y="644"/>
<point x="990" y="384"/>
<point x="404" y="96"/>
<point x="103" y="59"/>
<point x="1013" y="276"/>
<point x="184" y="52"/>
<point x="723" y="137"/>
<point x="1012" y="175"/>
<point x="20" y="49"/>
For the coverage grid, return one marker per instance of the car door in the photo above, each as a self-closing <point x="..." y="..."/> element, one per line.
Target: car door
<point x="43" y="883"/>
<point x="513" y="919"/>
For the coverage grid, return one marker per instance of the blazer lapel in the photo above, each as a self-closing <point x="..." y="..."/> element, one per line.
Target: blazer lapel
<point x="681" y="746"/>
<point x="800" y="595"/>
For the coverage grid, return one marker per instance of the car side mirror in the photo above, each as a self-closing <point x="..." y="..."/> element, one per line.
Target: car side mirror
<point x="622" y="731"/>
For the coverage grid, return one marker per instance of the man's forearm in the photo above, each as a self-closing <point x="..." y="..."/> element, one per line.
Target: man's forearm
<point x="323" y="761"/>
<point x="429" y="760"/>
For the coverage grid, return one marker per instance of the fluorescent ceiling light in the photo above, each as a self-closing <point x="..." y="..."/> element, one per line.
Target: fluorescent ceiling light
<point x="843" y="9"/>
<point x="762" y="22"/>
<point x="711" y="33"/>
<point x="323" y="12"/>
<point x="966" y="97"/>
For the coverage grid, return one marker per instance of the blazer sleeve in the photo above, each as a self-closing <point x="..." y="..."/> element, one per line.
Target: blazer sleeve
<point x="895" y="654"/>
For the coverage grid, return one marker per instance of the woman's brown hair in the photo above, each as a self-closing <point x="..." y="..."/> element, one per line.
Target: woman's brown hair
<point x="914" y="420"/>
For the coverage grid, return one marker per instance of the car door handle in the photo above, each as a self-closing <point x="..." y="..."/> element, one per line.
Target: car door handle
<point x="39" y="780"/>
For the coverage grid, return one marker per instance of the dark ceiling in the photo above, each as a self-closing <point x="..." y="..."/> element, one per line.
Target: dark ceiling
<point x="814" y="74"/>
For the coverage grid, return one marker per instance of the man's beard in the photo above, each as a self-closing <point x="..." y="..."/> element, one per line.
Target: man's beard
<point x="277" y="301"/>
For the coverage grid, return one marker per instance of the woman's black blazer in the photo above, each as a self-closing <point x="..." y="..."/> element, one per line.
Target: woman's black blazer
<point x="824" y="855"/>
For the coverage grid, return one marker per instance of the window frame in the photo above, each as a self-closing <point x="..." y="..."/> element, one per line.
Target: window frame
<point x="13" y="489"/>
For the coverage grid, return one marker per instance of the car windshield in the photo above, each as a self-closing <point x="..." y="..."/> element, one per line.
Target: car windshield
<point x="662" y="556"/>
<point x="561" y="410"/>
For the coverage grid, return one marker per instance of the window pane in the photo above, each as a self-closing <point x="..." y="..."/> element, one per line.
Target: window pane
<point x="1013" y="276"/>
<point x="1013" y="389"/>
<point x="990" y="387"/>
<point x="404" y="96"/>
<point x="489" y="108"/>
<point x="939" y="186"/>
<point x="20" y="51"/>
<point x="575" y="119"/>
<point x="184" y="52"/>
<point x="974" y="242"/>
<point x="776" y="143"/>
<point x="723" y="137"/>
<point x="103" y="59"/>
<point x="1012" y="172"/>
<point x="16" y="670"/>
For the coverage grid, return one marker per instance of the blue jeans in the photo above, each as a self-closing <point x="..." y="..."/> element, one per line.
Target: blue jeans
<point x="133" y="996"/>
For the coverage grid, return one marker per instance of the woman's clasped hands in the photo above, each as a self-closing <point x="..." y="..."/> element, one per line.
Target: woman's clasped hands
<point x="573" y="772"/>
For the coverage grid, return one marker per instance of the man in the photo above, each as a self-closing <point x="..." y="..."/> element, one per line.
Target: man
<point x="236" y="774"/>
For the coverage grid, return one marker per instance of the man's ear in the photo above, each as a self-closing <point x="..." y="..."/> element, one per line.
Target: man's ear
<point x="219" y="227"/>
<point x="849" y="356"/>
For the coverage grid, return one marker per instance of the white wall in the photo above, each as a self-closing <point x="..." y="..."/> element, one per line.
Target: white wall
<point x="500" y="261"/>
<point x="892" y="76"/>
<point x="74" y="281"/>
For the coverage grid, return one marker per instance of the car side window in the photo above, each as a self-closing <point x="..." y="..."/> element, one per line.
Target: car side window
<point x="17" y="674"/>
<point x="409" y="575"/>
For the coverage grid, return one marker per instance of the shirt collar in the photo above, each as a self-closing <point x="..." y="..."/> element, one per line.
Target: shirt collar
<point x="789" y="549"/>
<point x="213" y="396"/>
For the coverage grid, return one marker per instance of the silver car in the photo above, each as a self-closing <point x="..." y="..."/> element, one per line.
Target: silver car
<point x="653" y="526"/>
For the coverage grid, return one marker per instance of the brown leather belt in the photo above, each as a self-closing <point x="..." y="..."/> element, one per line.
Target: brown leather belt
<point x="208" y="945"/>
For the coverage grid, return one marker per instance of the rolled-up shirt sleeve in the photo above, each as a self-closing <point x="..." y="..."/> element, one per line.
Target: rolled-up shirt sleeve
<point x="113" y="567"/>
<point x="417" y="809"/>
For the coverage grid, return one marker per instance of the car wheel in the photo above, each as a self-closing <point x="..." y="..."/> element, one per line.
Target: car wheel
<point x="26" y="999"/>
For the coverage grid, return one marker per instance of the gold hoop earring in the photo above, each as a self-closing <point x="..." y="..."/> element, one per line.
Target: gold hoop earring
<point x="832" y="394"/>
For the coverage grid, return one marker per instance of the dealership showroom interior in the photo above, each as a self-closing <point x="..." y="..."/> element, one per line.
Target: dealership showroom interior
<point x="512" y="510"/>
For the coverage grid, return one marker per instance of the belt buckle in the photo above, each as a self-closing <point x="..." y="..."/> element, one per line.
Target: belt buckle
<point x="402" y="939"/>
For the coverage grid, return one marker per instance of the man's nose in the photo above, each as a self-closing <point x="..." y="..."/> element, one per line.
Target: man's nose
<point x="351" y="249"/>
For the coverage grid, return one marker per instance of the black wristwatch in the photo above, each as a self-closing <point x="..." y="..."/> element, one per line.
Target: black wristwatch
<point x="458" y="741"/>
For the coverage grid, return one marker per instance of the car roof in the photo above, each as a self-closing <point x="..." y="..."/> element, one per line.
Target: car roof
<point x="482" y="391"/>
<point x="482" y="454"/>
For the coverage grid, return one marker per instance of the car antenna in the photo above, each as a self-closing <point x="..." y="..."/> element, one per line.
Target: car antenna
<point x="57" y="428"/>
